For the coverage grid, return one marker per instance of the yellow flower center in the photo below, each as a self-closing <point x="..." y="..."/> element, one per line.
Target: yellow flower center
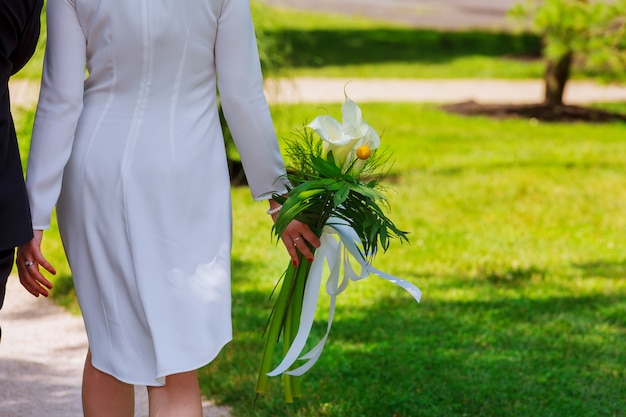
<point x="363" y="152"/>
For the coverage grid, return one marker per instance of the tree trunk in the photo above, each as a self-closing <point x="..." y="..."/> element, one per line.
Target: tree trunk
<point x="557" y="74"/>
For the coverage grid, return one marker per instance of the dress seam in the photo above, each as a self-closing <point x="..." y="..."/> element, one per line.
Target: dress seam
<point x="138" y="114"/>
<point x="176" y="95"/>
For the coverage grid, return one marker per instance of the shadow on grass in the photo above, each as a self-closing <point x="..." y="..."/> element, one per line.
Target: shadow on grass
<point x="603" y="269"/>
<point x="318" y="48"/>
<point x="519" y="356"/>
<point x="537" y="112"/>
<point x="490" y="167"/>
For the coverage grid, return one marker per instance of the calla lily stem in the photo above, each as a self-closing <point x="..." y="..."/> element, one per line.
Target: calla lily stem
<point x="285" y="320"/>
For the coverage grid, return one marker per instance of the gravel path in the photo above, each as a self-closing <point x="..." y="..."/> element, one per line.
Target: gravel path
<point x="448" y="14"/>
<point x="436" y="91"/>
<point x="326" y="90"/>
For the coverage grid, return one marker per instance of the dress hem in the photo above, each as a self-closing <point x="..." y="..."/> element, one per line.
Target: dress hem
<point x="155" y="382"/>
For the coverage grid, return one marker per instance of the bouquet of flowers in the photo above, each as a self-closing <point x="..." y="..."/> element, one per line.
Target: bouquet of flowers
<point x="336" y="190"/>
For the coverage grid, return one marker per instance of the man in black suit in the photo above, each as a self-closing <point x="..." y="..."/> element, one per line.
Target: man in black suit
<point x="19" y="32"/>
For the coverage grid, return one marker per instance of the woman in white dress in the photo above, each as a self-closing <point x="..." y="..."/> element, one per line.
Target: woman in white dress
<point x="127" y="143"/>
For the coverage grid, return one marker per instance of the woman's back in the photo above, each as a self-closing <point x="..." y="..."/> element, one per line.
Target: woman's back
<point x="136" y="154"/>
<point x="161" y="49"/>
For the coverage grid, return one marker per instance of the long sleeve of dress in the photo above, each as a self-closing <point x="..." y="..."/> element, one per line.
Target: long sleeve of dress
<point x="245" y="107"/>
<point x="58" y="110"/>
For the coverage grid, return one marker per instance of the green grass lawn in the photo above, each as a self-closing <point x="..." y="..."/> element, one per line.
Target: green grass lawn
<point x="517" y="240"/>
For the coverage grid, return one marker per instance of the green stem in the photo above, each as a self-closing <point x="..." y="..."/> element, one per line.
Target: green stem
<point x="294" y="321"/>
<point x="288" y="337"/>
<point x="285" y="319"/>
<point x="274" y="328"/>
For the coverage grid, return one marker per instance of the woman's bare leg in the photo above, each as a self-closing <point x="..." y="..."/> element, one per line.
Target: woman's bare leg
<point x="179" y="397"/>
<point x="104" y="395"/>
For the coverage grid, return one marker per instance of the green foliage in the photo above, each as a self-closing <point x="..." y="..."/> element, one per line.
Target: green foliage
<point x="321" y="190"/>
<point x="272" y="49"/>
<point x="594" y="30"/>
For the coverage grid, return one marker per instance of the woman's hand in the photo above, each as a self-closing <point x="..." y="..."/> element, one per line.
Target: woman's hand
<point x="296" y="236"/>
<point x="29" y="258"/>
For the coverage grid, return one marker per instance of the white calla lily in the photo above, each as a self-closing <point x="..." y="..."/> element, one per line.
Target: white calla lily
<point x="335" y="138"/>
<point x="344" y="138"/>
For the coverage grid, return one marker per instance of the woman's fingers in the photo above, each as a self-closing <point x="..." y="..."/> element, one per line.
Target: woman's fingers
<point x="33" y="281"/>
<point x="304" y="249"/>
<point x="29" y="259"/>
<point x="291" y="249"/>
<point x="33" y="287"/>
<point x="311" y="237"/>
<point x="45" y="264"/>
<point x="297" y="237"/>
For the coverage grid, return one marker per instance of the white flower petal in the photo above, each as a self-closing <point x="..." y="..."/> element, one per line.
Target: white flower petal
<point x="329" y="130"/>
<point x="352" y="119"/>
<point x="371" y="139"/>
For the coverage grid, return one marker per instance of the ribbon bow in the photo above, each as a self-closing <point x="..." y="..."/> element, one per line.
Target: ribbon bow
<point x="339" y="244"/>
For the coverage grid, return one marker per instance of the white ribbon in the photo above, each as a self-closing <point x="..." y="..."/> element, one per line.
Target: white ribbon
<point x="332" y="250"/>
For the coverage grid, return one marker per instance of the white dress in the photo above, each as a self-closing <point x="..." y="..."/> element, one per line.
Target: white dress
<point x="132" y="153"/>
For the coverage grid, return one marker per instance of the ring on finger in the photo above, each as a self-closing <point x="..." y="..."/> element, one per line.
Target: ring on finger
<point x="29" y="263"/>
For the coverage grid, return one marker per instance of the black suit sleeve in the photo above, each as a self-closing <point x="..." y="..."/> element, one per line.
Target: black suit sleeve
<point x="19" y="31"/>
